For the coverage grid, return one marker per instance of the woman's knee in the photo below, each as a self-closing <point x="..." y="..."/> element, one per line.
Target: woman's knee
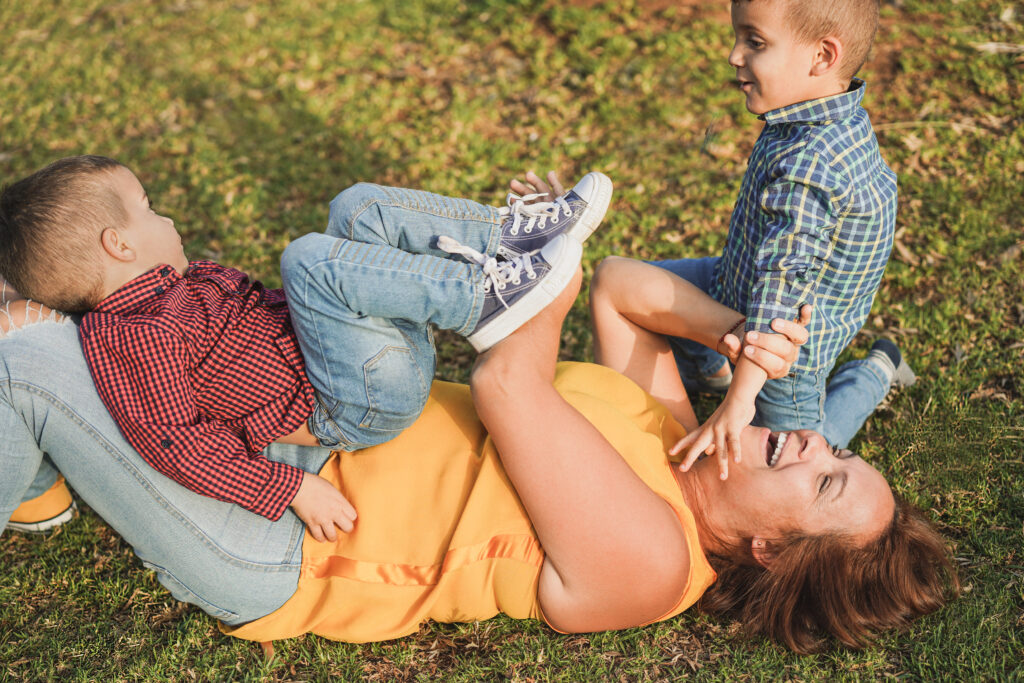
<point x="348" y="205"/>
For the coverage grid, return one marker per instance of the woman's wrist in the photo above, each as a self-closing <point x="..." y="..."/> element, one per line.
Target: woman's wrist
<point x="734" y="330"/>
<point x="8" y="293"/>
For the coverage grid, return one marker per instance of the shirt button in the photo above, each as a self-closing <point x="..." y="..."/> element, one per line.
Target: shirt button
<point x="159" y="290"/>
<point x="166" y="443"/>
<point x="165" y="271"/>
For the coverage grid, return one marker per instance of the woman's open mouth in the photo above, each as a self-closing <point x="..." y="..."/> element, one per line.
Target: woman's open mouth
<point x="774" y="447"/>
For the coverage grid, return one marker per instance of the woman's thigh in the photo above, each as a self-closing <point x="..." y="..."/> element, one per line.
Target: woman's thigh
<point x="233" y="564"/>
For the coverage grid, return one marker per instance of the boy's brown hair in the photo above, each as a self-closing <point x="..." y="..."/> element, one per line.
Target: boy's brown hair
<point x="854" y="22"/>
<point x="50" y="227"/>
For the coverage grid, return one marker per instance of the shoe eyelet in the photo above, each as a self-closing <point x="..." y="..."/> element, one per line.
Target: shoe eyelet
<point x="532" y="276"/>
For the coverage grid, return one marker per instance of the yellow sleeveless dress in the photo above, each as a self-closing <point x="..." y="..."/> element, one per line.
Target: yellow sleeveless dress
<point x="441" y="534"/>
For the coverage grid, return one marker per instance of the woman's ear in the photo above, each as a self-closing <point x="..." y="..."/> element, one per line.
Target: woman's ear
<point x="830" y="54"/>
<point x="762" y="551"/>
<point x="115" y="246"/>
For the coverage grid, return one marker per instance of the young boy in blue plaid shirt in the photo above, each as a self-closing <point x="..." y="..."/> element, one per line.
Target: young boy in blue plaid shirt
<point x="813" y="224"/>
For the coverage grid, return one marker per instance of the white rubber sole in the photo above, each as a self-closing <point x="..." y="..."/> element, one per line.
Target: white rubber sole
<point x="46" y="524"/>
<point x="563" y="267"/>
<point x="597" y="207"/>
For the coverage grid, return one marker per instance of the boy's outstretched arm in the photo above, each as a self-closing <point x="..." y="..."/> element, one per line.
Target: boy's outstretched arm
<point x="721" y="432"/>
<point x="322" y="507"/>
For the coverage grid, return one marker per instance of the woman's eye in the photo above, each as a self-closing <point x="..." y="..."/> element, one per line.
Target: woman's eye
<point x="755" y="43"/>
<point x="826" y="480"/>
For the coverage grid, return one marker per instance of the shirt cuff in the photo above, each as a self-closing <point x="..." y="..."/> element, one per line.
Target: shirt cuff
<point x="279" y="491"/>
<point x="759" y="319"/>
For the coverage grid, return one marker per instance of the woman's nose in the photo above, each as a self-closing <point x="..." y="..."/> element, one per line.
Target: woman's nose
<point x="811" y="446"/>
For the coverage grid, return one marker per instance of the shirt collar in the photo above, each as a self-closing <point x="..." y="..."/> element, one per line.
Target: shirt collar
<point x="820" y="110"/>
<point x="141" y="290"/>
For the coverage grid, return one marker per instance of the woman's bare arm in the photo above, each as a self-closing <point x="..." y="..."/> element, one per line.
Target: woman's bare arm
<point x="8" y="293"/>
<point x="16" y="310"/>
<point x="616" y="553"/>
<point x="635" y="306"/>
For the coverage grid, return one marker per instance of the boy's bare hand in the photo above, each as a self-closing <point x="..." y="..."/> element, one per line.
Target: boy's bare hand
<point x="720" y="435"/>
<point x="322" y="507"/>
<point x="773" y="353"/>
<point x="533" y="184"/>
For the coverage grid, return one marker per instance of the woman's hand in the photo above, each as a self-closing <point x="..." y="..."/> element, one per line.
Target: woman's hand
<point x="773" y="353"/>
<point x="533" y="184"/>
<point x="8" y="293"/>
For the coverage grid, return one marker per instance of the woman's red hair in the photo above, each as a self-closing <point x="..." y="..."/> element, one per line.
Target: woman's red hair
<point x="825" y="585"/>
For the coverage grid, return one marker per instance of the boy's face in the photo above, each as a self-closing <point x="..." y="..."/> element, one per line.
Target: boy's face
<point x="151" y="235"/>
<point x="773" y="68"/>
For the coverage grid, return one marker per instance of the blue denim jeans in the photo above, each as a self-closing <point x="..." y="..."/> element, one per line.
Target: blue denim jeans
<point x="363" y="295"/>
<point x="836" y="408"/>
<point x="233" y="564"/>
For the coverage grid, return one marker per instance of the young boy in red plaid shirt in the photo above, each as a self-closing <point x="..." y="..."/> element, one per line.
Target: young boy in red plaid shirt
<point x="202" y="368"/>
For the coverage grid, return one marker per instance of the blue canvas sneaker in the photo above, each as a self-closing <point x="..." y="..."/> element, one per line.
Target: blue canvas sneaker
<point x="517" y="289"/>
<point x="529" y="224"/>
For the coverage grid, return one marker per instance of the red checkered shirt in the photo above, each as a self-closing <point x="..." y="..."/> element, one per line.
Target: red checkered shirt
<point x="201" y="372"/>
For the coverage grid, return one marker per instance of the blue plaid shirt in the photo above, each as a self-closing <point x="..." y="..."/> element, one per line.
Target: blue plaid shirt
<point x="814" y="223"/>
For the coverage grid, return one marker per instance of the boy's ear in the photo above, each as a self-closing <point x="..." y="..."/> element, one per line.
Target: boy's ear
<point x="115" y="246"/>
<point x="762" y="551"/>
<point x="830" y="54"/>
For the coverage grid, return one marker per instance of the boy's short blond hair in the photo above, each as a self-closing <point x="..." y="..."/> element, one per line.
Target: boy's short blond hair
<point x="50" y="227"/>
<point x="854" y="22"/>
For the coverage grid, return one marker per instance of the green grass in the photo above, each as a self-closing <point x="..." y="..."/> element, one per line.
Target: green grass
<point x="243" y="118"/>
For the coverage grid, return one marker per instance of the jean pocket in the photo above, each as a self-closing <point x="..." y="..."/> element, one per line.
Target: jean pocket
<point x="396" y="390"/>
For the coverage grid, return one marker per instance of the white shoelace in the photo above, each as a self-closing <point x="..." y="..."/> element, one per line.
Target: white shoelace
<point x="535" y="213"/>
<point x="498" y="275"/>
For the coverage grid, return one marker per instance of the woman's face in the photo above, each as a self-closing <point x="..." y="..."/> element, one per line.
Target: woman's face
<point x="795" y="481"/>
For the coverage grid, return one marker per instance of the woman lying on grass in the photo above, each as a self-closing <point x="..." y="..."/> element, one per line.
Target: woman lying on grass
<point x="540" y="491"/>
